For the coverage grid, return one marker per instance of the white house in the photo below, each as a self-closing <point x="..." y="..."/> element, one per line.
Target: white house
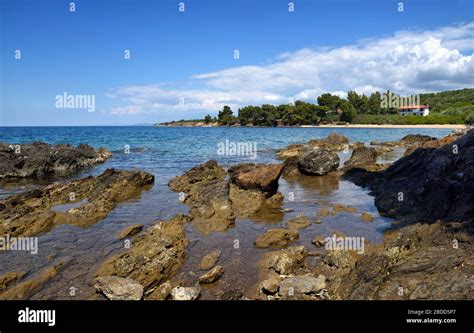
<point x="415" y="110"/>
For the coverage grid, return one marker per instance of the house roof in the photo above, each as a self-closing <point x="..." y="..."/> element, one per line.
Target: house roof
<point x="414" y="107"/>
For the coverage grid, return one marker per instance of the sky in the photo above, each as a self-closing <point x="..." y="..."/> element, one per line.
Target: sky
<point x="186" y="64"/>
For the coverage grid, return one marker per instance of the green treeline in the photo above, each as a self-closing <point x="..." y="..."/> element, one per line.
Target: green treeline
<point x="449" y="107"/>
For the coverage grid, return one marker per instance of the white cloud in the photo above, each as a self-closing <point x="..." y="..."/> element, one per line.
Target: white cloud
<point x="407" y="62"/>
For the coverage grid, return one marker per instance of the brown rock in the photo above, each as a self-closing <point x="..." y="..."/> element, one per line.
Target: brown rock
<point x="212" y="276"/>
<point x="34" y="212"/>
<point x="286" y="261"/>
<point x="155" y="256"/>
<point x="276" y="237"/>
<point x="210" y="260"/>
<point x="130" y="231"/>
<point x="299" y="222"/>
<point x="117" y="288"/>
<point x="367" y="217"/>
<point x="261" y="177"/>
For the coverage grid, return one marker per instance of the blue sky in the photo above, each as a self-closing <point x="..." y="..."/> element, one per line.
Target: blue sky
<point x="182" y="64"/>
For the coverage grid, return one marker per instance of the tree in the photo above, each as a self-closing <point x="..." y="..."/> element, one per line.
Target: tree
<point x="348" y="112"/>
<point x="333" y="102"/>
<point x="375" y="100"/>
<point x="225" y="117"/>
<point x="207" y="119"/>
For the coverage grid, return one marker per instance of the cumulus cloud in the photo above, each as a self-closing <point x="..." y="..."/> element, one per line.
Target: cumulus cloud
<point x="407" y="62"/>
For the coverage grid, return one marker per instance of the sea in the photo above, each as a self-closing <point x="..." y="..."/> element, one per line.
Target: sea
<point x="170" y="151"/>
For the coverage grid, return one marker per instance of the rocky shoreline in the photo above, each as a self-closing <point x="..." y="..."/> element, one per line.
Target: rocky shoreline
<point x="426" y="254"/>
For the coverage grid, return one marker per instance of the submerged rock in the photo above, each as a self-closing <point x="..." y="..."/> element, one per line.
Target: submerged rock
<point x="212" y="276"/>
<point x="117" y="288"/>
<point x="210" y="260"/>
<point x="32" y="212"/>
<point x="276" y="237"/>
<point x="130" y="231"/>
<point x="319" y="162"/>
<point x="23" y="289"/>
<point x="39" y="159"/>
<point x="299" y="222"/>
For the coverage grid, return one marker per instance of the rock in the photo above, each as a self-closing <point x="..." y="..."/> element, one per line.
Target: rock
<point x="339" y="258"/>
<point x="276" y="237"/>
<point x="367" y="217"/>
<point x="197" y="176"/>
<point x="286" y="261"/>
<point x="421" y="260"/>
<point x="319" y="241"/>
<point x="426" y="178"/>
<point x="10" y="278"/>
<point x="319" y="162"/>
<point x="156" y="254"/>
<point x="294" y="150"/>
<point x="449" y="139"/>
<point x="207" y="194"/>
<point x="185" y="293"/>
<point x="302" y="284"/>
<point x="23" y="290"/>
<point x="250" y="203"/>
<point x="336" y="139"/>
<point x="333" y="142"/>
<point x="216" y="201"/>
<point x="130" y="231"/>
<point x="416" y="138"/>
<point x="232" y="295"/>
<point x="325" y="212"/>
<point x="339" y="208"/>
<point x="299" y="222"/>
<point x="261" y="177"/>
<point x="32" y="212"/>
<point x="39" y="159"/>
<point x="361" y="157"/>
<point x="212" y="276"/>
<point x="270" y="285"/>
<point x="210" y="260"/>
<point x="117" y="288"/>
<point x="162" y="292"/>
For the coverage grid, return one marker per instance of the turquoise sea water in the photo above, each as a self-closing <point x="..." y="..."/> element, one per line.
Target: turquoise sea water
<point x="167" y="152"/>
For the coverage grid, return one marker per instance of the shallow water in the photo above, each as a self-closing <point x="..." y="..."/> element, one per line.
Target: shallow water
<point x="167" y="152"/>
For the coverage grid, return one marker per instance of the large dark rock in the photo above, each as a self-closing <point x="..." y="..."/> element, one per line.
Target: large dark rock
<point x="319" y="162"/>
<point x="39" y="159"/>
<point x="428" y="185"/>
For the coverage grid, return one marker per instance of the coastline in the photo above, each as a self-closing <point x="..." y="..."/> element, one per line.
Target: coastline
<point x="434" y="126"/>
<point x="453" y="126"/>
